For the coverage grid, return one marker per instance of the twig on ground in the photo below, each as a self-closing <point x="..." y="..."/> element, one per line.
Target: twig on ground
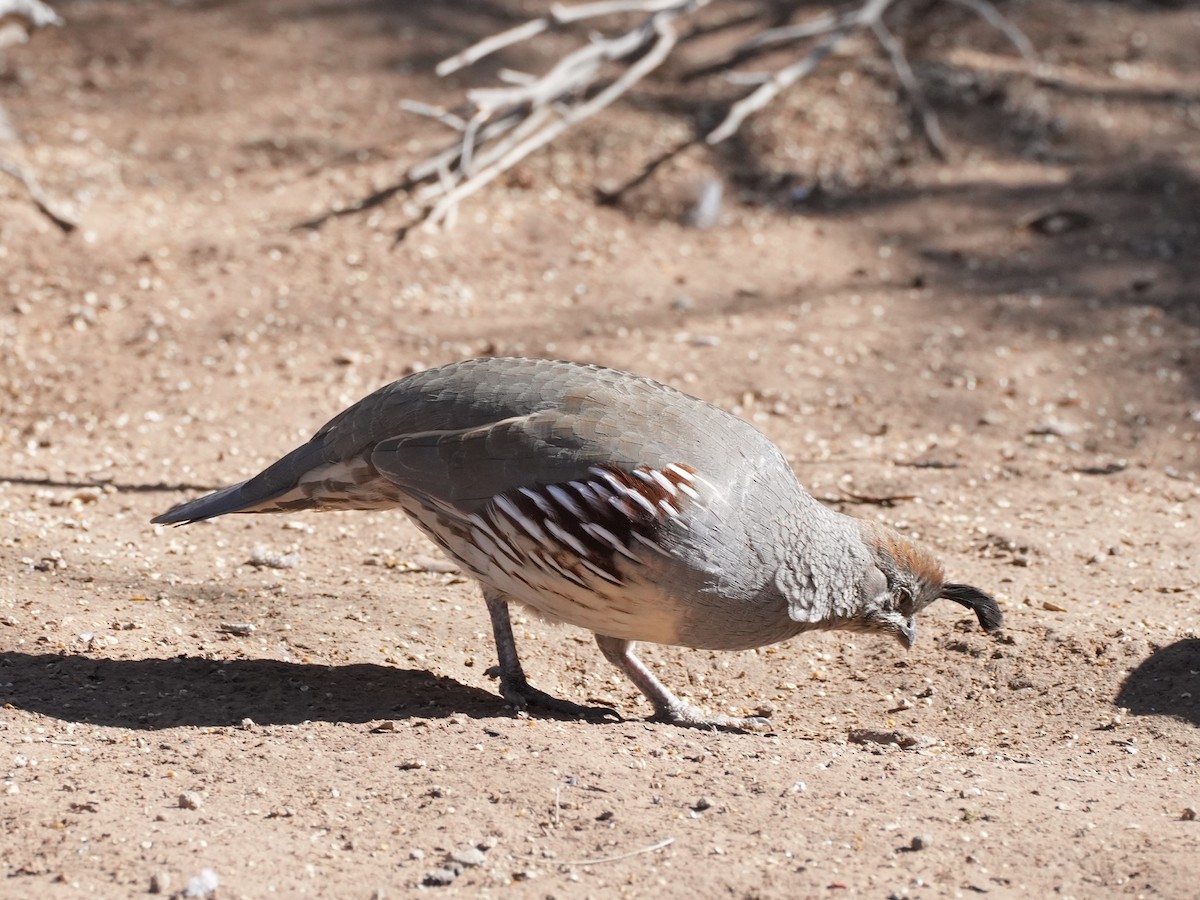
<point x="929" y="121"/>
<point x="39" y="15"/>
<point x="988" y="12"/>
<point x="784" y="78"/>
<point x="50" y="208"/>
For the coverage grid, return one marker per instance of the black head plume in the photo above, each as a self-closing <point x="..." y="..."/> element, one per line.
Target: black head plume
<point x="985" y="607"/>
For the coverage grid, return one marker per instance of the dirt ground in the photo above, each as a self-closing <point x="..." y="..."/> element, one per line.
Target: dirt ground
<point x="999" y="354"/>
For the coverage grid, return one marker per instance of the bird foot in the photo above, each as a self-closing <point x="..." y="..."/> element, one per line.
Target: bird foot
<point x="687" y="716"/>
<point x="522" y="695"/>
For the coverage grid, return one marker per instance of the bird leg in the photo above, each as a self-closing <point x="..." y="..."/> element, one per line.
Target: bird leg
<point x="513" y="685"/>
<point x="667" y="707"/>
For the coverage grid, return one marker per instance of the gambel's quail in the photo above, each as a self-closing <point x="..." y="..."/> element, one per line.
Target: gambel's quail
<point x="608" y="501"/>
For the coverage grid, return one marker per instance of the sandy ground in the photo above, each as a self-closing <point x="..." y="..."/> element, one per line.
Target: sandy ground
<point x="1024" y="399"/>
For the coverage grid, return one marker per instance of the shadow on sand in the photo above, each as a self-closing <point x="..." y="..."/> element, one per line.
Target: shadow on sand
<point x="1167" y="683"/>
<point x="152" y="694"/>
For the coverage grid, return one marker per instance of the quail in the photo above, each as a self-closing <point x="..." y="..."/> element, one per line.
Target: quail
<point x="608" y="501"/>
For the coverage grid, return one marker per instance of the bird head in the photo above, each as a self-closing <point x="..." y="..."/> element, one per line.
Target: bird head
<point x="906" y="579"/>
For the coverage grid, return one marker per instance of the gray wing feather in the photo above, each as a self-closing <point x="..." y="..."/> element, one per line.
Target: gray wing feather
<point x="278" y="478"/>
<point x="467" y="468"/>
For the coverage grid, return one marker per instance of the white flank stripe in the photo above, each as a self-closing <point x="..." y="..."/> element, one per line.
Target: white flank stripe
<point x="529" y="526"/>
<point x="608" y="477"/>
<point x="606" y="536"/>
<point x="669" y="508"/>
<point x="663" y="481"/>
<point x="501" y="544"/>
<point x="680" y="471"/>
<point x="641" y="501"/>
<point x="595" y="495"/>
<point x="489" y="548"/>
<point x="607" y="576"/>
<point x="568" y="539"/>
<point x="539" y="501"/>
<point x="644" y="474"/>
<point x="689" y="490"/>
<point x="623" y="507"/>
<point x="548" y="562"/>
<point x="565" y="500"/>
<point x="649" y="543"/>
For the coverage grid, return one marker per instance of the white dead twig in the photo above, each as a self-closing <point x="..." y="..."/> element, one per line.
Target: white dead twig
<point x="50" y="208"/>
<point x="500" y="126"/>
<point x="39" y="15"/>
<point x="506" y="124"/>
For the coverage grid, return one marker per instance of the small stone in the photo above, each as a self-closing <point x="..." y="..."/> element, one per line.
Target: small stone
<point x="190" y="800"/>
<point x="921" y="842"/>
<point x="410" y="764"/>
<point x="160" y="883"/>
<point x="439" y="877"/>
<point x="265" y="558"/>
<point x="702" y="804"/>
<point x="203" y="885"/>
<point x="416" y="853"/>
<point x="242" y="629"/>
<point x="1188" y="814"/>
<point x="471" y="857"/>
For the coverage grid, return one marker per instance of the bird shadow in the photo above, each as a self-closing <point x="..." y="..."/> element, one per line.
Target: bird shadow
<point x="154" y="694"/>
<point x="1166" y="683"/>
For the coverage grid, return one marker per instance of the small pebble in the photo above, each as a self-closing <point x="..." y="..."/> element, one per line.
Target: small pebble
<point x="702" y="804"/>
<point x="921" y="842"/>
<point x="416" y="853"/>
<point x="190" y="800"/>
<point x="265" y="558"/>
<point x="439" y="877"/>
<point x="471" y="857"/>
<point x="160" y="883"/>
<point x="203" y="885"/>
<point x="1188" y="814"/>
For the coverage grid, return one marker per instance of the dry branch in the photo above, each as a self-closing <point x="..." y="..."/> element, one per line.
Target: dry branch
<point x="501" y="125"/>
<point x="39" y="15"/>
<point x="51" y="209"/>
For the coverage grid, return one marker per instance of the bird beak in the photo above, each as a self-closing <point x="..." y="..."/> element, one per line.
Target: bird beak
<point x="906" y="633"/>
